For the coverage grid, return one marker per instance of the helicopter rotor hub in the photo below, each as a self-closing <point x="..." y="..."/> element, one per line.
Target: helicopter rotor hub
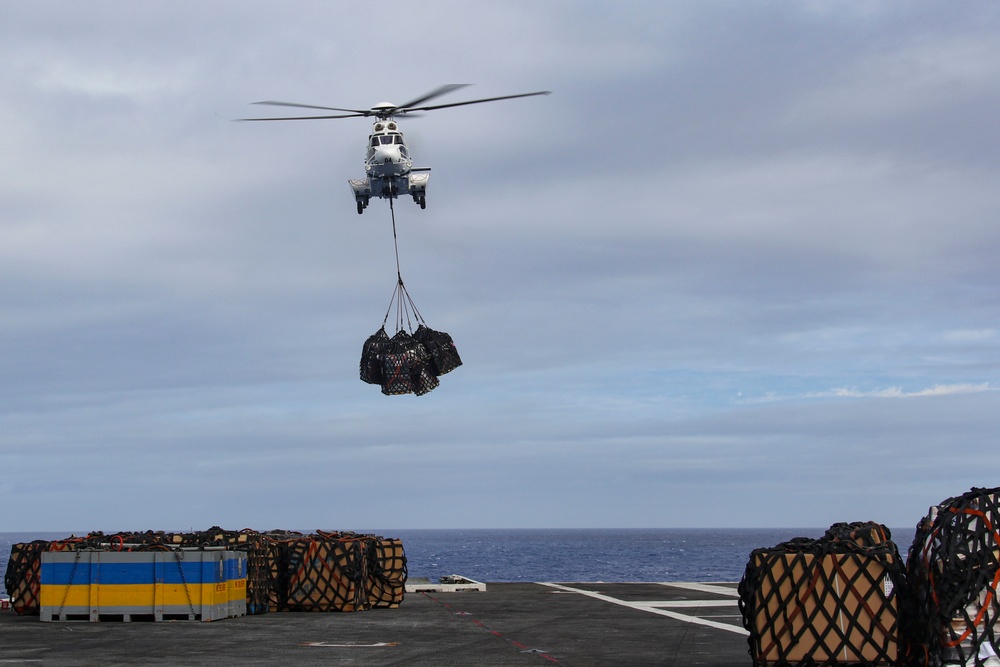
<point x="384" y="110"/>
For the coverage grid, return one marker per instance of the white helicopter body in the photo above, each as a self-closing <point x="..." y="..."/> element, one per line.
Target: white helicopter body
<point x="389" y="170"/>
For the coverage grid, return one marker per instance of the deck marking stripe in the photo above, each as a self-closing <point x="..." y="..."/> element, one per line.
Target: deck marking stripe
<point x="704" y="588"/>
<point x="686" y="603"/>
<point x="642" y="607"/>
<point x="348" y="645"/>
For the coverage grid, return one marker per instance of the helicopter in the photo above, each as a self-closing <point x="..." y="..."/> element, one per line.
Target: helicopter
<point x="389" y="170"/>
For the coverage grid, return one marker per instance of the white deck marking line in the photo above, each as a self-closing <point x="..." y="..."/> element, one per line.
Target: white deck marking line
<point x="704" y="588"/>
<point x="642" y="606"/>
<point x="665" y="604"/>
<point x="348" y="645"/>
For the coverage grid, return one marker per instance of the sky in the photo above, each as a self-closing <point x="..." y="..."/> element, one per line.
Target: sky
<point x="737" y="270"/>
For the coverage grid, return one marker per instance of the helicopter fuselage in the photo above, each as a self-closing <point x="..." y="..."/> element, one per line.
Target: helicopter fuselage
<point x="389" y="170"/>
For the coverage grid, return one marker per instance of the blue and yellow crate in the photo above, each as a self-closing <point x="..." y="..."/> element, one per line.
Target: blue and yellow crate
<point x="205" y="585"/>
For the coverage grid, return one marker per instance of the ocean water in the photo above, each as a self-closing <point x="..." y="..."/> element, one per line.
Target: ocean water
<point x="625" y="555"/>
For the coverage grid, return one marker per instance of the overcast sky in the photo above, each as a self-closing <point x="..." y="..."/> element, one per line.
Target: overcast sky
<point x="740" y="269"/>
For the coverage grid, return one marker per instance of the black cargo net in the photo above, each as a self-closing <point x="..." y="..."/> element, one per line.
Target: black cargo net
<point x="386" y="572"/>
<point x="831" y="601"/>
<point x="325" y="571"/>
<point x="22" y="580"/>
<point x="326" y="574"/>
<point x="335" y="571"/>
<point x="410" y="361"/>
<point x="953" y="570"/>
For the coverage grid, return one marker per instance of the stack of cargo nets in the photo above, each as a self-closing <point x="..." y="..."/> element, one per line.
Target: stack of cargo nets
<point x="828" y="601"/>
<point x="23" y="570"/>
<point x="407" y="363"/>
<point x="325" y="571"/>
<point x="953" y="570"/>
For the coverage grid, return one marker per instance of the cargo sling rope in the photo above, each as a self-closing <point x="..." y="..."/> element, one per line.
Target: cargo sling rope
<point x="404" y="304"/>
<point x="824" y="602"/>
<point x="953" y="571"/>
<point x="407" y="362"/>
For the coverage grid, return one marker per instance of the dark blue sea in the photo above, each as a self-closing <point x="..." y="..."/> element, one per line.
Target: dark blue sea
<point x="625" y="555"/>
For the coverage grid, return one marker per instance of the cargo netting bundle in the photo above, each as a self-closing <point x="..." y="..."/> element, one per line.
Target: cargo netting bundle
<point x="23" y="577"/>
<point x="333" y="571"/>
<point x="828" y="601"/>
<point x="407" y="363"/>
<point x="23" y="570"/>
<point x="285" y="571"/>
<point x="411" y="361"/>
<point x="953" y="571"/>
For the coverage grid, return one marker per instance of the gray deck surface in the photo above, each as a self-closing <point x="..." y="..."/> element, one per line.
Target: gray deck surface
<point x="508" y="624"/>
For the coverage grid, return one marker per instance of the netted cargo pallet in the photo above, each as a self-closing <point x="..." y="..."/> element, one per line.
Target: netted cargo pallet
<point x="830" y="601"/>
<point x="953" y="570"/>
<point x="444" y="356"/>
<point x="332" y="571"/>
<point x="406" y="367"/>
<point x="285" y="571"/>
<point x="23" y="577"/>
<point x="407" y="363"/>
<point x="326" y="573"/>
<point x="386" y="572"/>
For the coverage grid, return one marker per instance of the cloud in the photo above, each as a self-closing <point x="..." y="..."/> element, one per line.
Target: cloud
<point x="691" y="271"/>
<point x="897" y="392"/>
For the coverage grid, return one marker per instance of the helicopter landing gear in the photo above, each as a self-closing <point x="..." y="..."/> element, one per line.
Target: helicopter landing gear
<point x="420" y="200"/>
<point x="362" y="205"/>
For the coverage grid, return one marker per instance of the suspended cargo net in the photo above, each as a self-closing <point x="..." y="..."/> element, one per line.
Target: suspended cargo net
<point x="953" y="570"/>
<point x="325" y="571"/>
<point x="412" y="360"/>
<point x="831" y="601"/>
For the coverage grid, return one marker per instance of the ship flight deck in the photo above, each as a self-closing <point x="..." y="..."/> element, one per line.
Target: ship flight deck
<point x="581" y="624"/>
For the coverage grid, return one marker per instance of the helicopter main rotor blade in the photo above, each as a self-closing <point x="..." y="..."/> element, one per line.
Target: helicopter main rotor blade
<point x="407" y="109"/>
<point x="437" y="92"/>
<point x="350" y="115"/>
<point x="363" y="112"/>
